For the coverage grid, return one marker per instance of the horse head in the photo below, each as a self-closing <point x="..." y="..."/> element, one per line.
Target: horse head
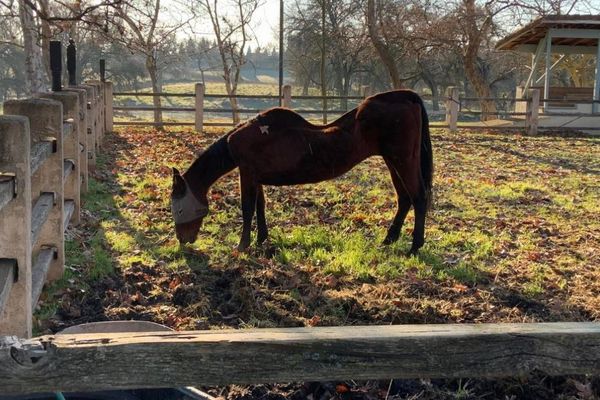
<point x="188" y="211"/>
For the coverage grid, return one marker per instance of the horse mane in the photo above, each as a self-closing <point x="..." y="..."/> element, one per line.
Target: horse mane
<point x="211" y="164"/>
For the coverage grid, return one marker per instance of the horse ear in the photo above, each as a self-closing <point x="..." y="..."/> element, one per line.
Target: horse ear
<point x="178" y="183"/>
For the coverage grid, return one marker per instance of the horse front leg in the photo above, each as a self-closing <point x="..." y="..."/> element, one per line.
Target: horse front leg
<point x="249" y="193"/>
<point x="261" y="222"/>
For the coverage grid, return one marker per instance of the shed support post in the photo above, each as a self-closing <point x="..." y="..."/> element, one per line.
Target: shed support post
<point x="15" y="229"/>
<point x="452" y="105"/>
<point x="534" y="63"/>
<point x="547" y="67"/>
<point x="199" y="105"/>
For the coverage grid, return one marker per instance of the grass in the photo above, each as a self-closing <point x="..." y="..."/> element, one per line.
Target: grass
<point x="513" y="236"/>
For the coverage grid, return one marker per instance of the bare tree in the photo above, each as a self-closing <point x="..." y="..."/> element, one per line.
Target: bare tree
<point x="232" y="34"/>
<point x="35" y="81"/>
<point x="383" y="49"/>
<point x="139" y="26"/>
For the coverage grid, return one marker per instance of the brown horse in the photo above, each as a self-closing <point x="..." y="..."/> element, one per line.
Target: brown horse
<point x="279" y="147"/>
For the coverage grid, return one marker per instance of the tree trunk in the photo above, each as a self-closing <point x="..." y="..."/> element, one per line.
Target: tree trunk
<point x="156" y="88"/>
<point x="434" y="89"/>
<point x="381" y="47"/>
<point x="34" y="81"/>
<point x="323" y="55"/>
<point x="46" y="35"/>
<point x="474" y="75"/>
<point x="480" y="85"/>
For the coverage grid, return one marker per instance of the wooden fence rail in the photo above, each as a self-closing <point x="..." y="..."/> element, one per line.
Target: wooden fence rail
<point x="455" y="106"/>
<point x="88" y="362"/>
<point x="47" y="145"/>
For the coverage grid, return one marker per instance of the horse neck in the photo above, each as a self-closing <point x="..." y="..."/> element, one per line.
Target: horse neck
<point x="209" y="167"/>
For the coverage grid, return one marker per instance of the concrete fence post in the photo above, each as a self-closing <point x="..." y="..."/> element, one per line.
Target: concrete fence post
<point x="46" y="122"/>
<point x="99" y="118"/>
<point x="108" y="109"/>
<point x="199" y="105"/>
<point x="89" y="123"/>
<point x="15" y="229"/>
<point x="533" y="106"/>
<point x="452" y="107"/>
<point x="71" y="150"/>
<point x="287" y="96"/>
<point x="81" y="130"/>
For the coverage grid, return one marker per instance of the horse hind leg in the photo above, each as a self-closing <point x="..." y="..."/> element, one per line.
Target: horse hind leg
<point x="404" y="203"/>
<point x="410" y="181"/>
<point x="261" y="222"/>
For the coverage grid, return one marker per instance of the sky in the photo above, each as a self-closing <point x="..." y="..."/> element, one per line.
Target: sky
<point x="265" y="23"/>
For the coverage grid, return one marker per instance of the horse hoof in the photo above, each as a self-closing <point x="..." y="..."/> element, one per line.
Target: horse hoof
<point x="389" y="240"/>
<point x="412" y="252"/>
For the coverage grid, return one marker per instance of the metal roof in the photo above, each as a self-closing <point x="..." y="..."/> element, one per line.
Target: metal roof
<point x="534" y="32"/>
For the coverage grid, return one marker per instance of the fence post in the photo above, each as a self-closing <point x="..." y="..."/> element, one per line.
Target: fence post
<point x="452" y="105"/>
<point x="533" y="106"/>
<point x="108" y="109"/>
<point x="199" y="105"/>
<point x="287" y="96"/>
<point x="99" y="109"/>
<point x="70" y="101"/>
<point x="72" y="63"/>
<point x="367" y="91"/>
<point x="15" y="229"/>
<point x="81" y="124"/>
<point x="56" y="64"/>
<point x="89" y="122"/>
<point x="46" y="121"/>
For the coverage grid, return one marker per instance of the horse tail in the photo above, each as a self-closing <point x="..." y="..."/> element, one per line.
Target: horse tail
<point x="426" y="155"/>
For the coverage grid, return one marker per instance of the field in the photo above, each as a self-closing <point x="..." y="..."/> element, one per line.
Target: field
<point x="513" y="236"/>
<point x="254" y="88"/>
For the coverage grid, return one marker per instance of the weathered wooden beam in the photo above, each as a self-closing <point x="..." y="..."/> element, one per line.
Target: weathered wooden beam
<point x="40" y="213"/>
<point x="173" y="359"/>
<point x="39" y="272"/>
<point x="8" y="274"/>
<point x="7" y="189"/>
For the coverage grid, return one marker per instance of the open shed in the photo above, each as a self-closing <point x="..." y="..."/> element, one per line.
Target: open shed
<point x="563" y="35"/>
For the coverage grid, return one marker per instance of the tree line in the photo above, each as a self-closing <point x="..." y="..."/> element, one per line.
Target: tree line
<point x="338" y="46"/>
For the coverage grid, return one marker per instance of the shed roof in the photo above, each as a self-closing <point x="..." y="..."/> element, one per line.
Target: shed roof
<point x="534" y="32"/>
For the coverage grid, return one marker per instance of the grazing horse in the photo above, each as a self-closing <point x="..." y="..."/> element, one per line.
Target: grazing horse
<point x="279" y="147"/>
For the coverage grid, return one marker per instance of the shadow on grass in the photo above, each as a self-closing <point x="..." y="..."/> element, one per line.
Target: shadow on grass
<point x="186" y="288"/>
